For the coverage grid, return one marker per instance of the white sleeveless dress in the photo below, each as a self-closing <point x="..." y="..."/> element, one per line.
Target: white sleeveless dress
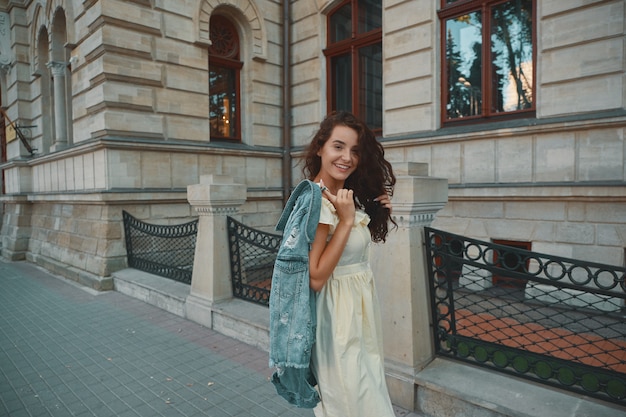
<point x="347" y="357"/>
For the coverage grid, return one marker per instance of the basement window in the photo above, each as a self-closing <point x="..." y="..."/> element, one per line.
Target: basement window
<point x="510" y="261"/>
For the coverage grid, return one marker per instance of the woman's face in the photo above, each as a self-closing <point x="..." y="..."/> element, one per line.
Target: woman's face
<point x="339" y="155"/>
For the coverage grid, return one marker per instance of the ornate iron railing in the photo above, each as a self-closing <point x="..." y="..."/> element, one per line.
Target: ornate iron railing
<point x="550" y="319"/>
<point x="252" y="256"/>
<point x="164" y="250"/>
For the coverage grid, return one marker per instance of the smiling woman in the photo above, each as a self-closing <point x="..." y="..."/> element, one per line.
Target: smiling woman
<point x="347" y="161"/>
<point x="340" y="157"/>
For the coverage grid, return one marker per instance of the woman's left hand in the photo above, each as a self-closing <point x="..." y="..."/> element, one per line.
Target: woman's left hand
<point x="384" y="201"/>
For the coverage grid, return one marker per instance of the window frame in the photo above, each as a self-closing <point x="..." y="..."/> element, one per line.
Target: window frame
<point x="460" y="8"/>
<point x="230" y="64"/>
<point x="350" y="46"/>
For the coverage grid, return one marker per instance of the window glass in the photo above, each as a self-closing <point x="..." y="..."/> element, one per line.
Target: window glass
<point x="370" y="85"/>
<point x="488" y="62"/>
<point x="464" y="65"/>
<point x="224" y="70"/>
<point x="222" y="109"/>
<point x="512" y="56"/>
<point x="354" y="55"/>
<point x="342" y="80"/>
<point x="370" y="15"/>
<point x="341" y="24"/>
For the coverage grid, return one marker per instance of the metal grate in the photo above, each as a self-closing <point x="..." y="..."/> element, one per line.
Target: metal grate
<point x="164" y="250"/>
<point x="550" y="319"/>
<point x="252" y="256"/>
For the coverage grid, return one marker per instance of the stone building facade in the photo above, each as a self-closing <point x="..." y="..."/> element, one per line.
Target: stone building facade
<point x="113" y="96"/>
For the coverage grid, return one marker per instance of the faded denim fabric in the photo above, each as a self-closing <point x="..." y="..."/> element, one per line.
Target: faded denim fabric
<point x="292" y="301"/>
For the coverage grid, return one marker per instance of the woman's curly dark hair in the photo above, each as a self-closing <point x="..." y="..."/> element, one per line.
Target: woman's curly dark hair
<point x="372" y="177"/>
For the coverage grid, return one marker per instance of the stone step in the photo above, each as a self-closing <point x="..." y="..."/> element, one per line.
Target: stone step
<point x="447" y="388"/>
<point x="241" y="320"/>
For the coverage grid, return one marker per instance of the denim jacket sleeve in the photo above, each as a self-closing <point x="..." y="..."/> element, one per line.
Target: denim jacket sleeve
<point x="292" y="302"/>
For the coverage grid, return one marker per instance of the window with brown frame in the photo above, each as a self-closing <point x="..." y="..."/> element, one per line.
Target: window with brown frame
<point x="354" y="60"/>
<point x="488" y="59"/>
<point x="224" y="74"/>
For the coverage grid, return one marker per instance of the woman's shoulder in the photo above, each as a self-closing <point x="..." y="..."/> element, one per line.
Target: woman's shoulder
<point x="328" y="213"/>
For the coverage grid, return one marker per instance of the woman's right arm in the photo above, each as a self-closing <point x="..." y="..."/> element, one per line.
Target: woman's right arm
<point x="325" y="254"/>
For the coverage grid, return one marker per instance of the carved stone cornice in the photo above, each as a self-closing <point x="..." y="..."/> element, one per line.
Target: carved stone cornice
<point x="57" y="68"/>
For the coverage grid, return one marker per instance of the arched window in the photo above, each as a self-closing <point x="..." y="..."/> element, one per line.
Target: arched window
<point x="354" y="60"/>
<point x="61" y="82"/>
<point x="46" y="97"/>
<point x="224" y="80"/>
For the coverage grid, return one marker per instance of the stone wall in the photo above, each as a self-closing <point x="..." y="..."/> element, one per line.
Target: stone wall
<point x="139" y="131"/>
<point x="138" y="89"/>
<point x="557" y="181"/>
<point x="559" y="186"/>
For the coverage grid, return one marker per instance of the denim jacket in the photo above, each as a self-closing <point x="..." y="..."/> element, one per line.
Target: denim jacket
<point x="293" y="318"/>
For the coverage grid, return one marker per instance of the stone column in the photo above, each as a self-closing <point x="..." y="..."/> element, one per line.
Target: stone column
<point x="60" y="114"/>
<point x="399" y="266"/>
<point x="215" y="198"/>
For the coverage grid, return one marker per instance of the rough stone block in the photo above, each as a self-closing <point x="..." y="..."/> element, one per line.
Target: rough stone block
<point x="601" y="155"/>
<point x="479" y="162"/>
<point x="182" y="102"/>
<point x="575" y="233"/>
<point x="555" y="158"/>
<point x="407" y="68"/>
<point x="514" y="158"/>
<point x="176" y="52"/>
<point x="581" y="95"/>
<point x="407" y="39"/>
<point x="396" y="97"/>
<point x="581" y="25"/>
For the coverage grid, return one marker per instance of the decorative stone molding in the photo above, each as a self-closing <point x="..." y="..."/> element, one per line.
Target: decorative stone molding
<point x="66" y="6"/>
<point x="216" y="197"/>
<point x="216" y="194"/>
<point x="57" y="68"/>
<point x="418" y="220"/>
<point x="5" y="68"/>
<point x="247" y="10"/>
<point x="5" y="39"/>
<point x="222" y="211"/>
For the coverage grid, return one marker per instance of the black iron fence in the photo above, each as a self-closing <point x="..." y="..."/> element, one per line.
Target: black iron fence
<point x="164" y="250"/>
<point x="546" y="318"/>
<point x="252" y="256"/>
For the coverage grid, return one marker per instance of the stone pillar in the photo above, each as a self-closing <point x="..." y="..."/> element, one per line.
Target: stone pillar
<point x="399" y="266"/>
<point x="60" y="114"/>
<point x="215" y="198"/>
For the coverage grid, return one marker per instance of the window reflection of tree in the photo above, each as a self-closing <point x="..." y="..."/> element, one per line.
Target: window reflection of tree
<point x="512" y="28"/>
<point x="465" y="89"/>
<point x="510" y="55"/>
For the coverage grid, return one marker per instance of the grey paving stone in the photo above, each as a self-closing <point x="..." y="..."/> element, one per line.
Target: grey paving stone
<point x="70" y="352"/>
<point x="67" y="351"/>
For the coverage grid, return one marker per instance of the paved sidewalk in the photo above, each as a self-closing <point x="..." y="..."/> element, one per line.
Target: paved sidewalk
<point x="69" y="351"/>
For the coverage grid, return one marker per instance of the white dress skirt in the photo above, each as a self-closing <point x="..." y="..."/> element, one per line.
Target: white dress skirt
<point x="347" y="358"/>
